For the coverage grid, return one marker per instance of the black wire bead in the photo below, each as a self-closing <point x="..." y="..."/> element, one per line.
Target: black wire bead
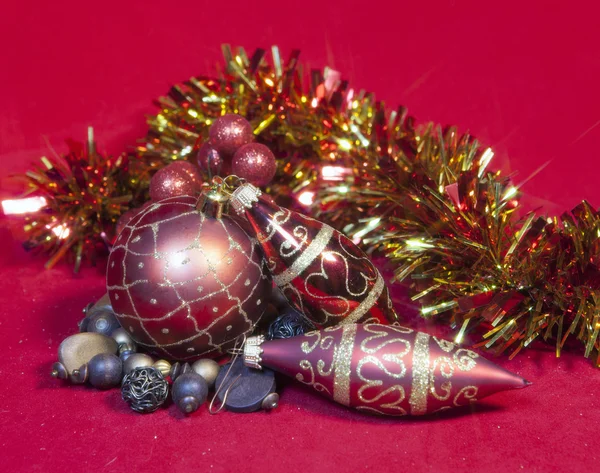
<point x="289" y="324"/>
<point x="145" y="389"/>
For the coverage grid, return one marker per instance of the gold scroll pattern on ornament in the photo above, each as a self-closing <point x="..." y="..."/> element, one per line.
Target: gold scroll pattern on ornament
<point x="432" y="377"/>
<point x="324" y="341"/>
<point x="385" y="353"/>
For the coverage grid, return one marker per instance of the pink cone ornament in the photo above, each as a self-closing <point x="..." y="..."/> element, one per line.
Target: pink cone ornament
<point x="383" y="369"/>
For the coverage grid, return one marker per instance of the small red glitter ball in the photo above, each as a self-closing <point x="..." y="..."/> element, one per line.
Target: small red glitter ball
<point x="230" y="132"/>
<point x="210" y="161"/>
<point x="255" y="163"/>
<point x="178" y="178"/>
<point x="184" y="284"/>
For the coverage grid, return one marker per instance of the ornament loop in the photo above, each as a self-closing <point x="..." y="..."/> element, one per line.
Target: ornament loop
<point x="235" y="351"/>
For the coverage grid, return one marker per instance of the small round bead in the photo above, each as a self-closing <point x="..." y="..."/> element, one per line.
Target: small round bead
<point x="127" y="347"/>
<point x="144" y="389"/>
<point x="189" y="392"/>
<point x="102" y="321"/>
<point x="125" y="354"/>
<point x="163" y="366"/>
<point x="137" y="360"/>
<point x="270" y="402"/>
<point x="105" y="371"/>
<point x="122" y="336"/>
<point x="80" y="375"/>
<point x="208" y="369"/>
<point x="59" y="371"/>
<point x="290" y="323"/>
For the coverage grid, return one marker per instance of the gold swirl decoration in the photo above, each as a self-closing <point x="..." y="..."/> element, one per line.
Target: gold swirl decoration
<point x="323" y="341"/>
<point x="389" y="400"/>
<point x="462" y="360"/>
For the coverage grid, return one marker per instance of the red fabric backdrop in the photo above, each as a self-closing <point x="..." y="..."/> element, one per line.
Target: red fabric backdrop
<point x="522" y="76"/>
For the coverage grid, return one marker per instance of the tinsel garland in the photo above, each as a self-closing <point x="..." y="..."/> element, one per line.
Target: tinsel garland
<point x="86" y="192"/>
<point x="447" y="226"/>
<point x="309" y="119"/>
<point x="422" y="196"/>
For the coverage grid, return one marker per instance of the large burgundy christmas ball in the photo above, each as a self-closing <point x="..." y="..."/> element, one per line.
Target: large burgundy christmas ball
<point x="185" y="284"/>
<point x="126" y="217"/>
<point x="178" y="178"/>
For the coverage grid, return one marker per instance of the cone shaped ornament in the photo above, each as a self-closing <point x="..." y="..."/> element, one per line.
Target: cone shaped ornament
<point x="320" y="271"/>
<point x="383" y="369"/>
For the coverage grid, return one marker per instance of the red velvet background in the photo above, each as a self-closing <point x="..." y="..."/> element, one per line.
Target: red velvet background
<point x="522" y="76"/>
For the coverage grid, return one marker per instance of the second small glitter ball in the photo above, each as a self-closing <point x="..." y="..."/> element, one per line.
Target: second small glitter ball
<point x="255" y="163"/>
<point x="229" y="132"/>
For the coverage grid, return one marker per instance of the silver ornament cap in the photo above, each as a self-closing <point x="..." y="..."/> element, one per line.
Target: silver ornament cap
<point x="244" y="197"/>
<point x="253" y="351"/>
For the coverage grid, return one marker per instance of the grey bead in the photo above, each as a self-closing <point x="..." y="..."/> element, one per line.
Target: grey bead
<point x="290" y="323"/>
<point x="127" y="347"/>
<point x="125" y="354"/>
<point x="208" y="369"/>
<point x="105" y="371"/>
<point x="102" y="321"/>
<point x="122" y="336"/>
<point x="189" y="392"/>
<point x="137" y="360"/>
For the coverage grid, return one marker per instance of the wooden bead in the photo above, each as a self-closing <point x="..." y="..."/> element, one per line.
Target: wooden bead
<point x="137" y="360"/>
<point x="178" y="369"/>
<point x="105" y="371"/>
<point x="80" y="348"/>
<point x="59" y="371"/>
<point x="189" y="392"/>
<point x="163" y="366"/>
<point x="208" y="369"/>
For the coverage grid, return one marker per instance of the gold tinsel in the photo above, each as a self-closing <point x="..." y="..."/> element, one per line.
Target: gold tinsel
<point x="447" y="227"/>
<point x="86" y="192"/>
<point x="308" y="118"/>
<point x="424" y="197"/>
